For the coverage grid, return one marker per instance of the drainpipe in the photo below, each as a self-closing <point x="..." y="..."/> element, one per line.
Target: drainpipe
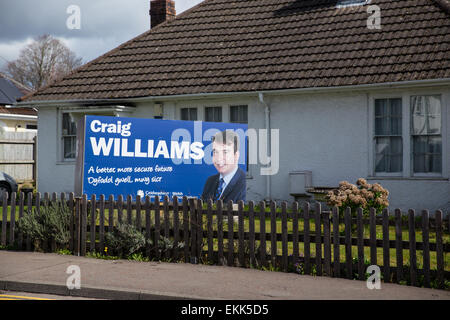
<point x="267" y="127"/>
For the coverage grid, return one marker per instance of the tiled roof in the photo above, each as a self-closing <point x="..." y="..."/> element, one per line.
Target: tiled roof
<point x="18" y="111"/>
<point x="243" y="45"/>
<point x="10" y="90"/>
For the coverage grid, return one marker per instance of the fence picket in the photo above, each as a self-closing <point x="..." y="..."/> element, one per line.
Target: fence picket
<point x="219" y="218"/>
<point x="148" y="223"/>
<point x="101" y="227"/>
<point x="5" y="217"/>
<point x="360" y="244"/>
<point x="336" y="243"/>
<point x="439" y="249"/>
<point x="241" y="253"/>
<point x="12" y="222"/>
<point x="412" y="248"/>
<point x="398" y="245"/>
<point x="176" y="227"/>
<point x="138" y="212"/>
<point x="373" y="236"/>
<point x="166" y="218"/>
<point x="83" y="225"/>
<point x="230" y="257"/>
<point x="110" y="213"/>
<point x="426" y="248"/>
<point x="29" y="210"/>
<point x="348" y="244"/>
<point x="185" y="229"/>
<point x="210" y="230"/>
<point x="119" y="208"/>
<point x="262" y="234"/>
<point x="306" y="230"/>
<point x="327" y="243"/>
<point x="157" y="227"/>
<point x="199" y="212"/>
<point x="318" y="232"/>
<point x="273" y="233"/>
<point x="129" y="209"/>
<point x="251" y="233"/>
<point x="193" y="228"/>
<point x="93" y="222"/>
<point x="71" y="205"/>
<point x="386" y="255"/>
<point x="295" y="239"/>
<point x="284" y="233"/>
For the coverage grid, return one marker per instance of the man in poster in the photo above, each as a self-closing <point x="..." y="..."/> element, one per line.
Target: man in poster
<point x="229" y="183"/>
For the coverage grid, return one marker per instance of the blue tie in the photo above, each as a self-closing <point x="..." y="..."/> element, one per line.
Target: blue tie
<point x="219" y="189"/>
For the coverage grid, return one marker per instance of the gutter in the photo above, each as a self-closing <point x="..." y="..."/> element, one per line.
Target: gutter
<point x="363" y="87"/>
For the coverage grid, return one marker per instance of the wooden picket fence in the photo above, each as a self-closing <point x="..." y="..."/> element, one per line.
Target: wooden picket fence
<point x="256" y="235"/>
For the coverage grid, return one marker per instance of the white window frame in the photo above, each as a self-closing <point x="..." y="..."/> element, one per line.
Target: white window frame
<point x="408" y="170"/>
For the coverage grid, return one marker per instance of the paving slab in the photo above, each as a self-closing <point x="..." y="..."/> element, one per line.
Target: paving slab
<point x="123" y="279"/>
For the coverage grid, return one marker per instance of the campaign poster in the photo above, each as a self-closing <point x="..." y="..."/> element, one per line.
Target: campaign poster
<point x="149" y="157"/>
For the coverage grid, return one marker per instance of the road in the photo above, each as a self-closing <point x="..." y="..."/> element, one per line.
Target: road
<point x="10" y="295"/>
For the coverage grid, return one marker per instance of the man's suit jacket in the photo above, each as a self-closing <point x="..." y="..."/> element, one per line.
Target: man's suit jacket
<point x="235" y="190"/>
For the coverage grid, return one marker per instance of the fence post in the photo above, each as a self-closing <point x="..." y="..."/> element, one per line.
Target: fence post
<point x="251" y="230"/>
<point x="262" y="233"/>
<point x="295" y="239"/>
<point x="193" y="228"/>
<point x="230" y="258"/>
<point x="373" y="236"/>
<point x="210" y="230"/>
<point x="284" y="237"/>
<point x="77" y="225"/>
<point x="83" y="215"/>
<point x="241" y="233"/>
<point x="12" y="222"/>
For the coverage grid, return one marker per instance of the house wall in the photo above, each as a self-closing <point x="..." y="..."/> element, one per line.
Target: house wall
<point x="328" y="134"/>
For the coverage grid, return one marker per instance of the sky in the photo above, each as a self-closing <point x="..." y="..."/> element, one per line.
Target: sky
<point x="104" y="24"/>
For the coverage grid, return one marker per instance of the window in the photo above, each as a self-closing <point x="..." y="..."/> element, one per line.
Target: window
<point x="388" y="135"/>
<point x="426" y="134"/>
<point x="189" y="114"/>
<point x="239" y="114"/>
<point x="213" y="114"/>
<point x="31" y="126"/>
<point x="69" y="137"/>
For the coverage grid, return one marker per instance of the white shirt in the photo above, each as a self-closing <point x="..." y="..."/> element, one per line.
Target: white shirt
<point x="227" y="178"/>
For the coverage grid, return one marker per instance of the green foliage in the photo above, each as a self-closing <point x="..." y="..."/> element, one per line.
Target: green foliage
<point x="51" y="223"/>
<point x="125" y="240"/>
<point x="65" y="252"/>
<point x="138" y="257"/>
<point x="99" y="255"/>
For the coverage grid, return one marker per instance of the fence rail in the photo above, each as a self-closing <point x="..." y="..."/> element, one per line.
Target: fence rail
<point x="301" y="238"/>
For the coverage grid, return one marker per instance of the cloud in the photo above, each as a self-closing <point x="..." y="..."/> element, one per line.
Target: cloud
<point x="105" y="24"/>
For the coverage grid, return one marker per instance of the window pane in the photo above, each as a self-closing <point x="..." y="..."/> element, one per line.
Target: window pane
<point x="69" y="147"/>
<point x="427" y="154"/>
<point x="388" y="154"/>
<point x="388" y="116"/>
<point x="213" y="114"/>
<point x="69" y="127"/>
<point x="426" y="114"/>
<point x="189" y="114"/>
<point x="239" y="114"/>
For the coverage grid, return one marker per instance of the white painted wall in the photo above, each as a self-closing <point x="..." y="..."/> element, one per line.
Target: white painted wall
<point x="328" y="134"/>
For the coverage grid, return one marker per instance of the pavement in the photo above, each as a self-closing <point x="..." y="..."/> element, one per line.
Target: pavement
<point x="132" y="280"/>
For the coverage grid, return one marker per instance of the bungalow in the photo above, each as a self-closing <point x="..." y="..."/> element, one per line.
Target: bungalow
<point x="356" y="89"/>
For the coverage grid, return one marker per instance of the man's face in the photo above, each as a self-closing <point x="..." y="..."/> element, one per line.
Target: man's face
<point x="224" y="158"/>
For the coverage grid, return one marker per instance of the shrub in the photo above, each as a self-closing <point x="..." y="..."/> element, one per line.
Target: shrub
<point x="50" y="223"/>
<point x="362" y="195"/>
<point x="125" y="240"/>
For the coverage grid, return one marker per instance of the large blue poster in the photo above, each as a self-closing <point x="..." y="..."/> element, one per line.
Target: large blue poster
<point x="149" y="157"/>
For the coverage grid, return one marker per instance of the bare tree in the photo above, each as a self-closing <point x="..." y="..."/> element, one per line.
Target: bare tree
<point x="42" y="62"/>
